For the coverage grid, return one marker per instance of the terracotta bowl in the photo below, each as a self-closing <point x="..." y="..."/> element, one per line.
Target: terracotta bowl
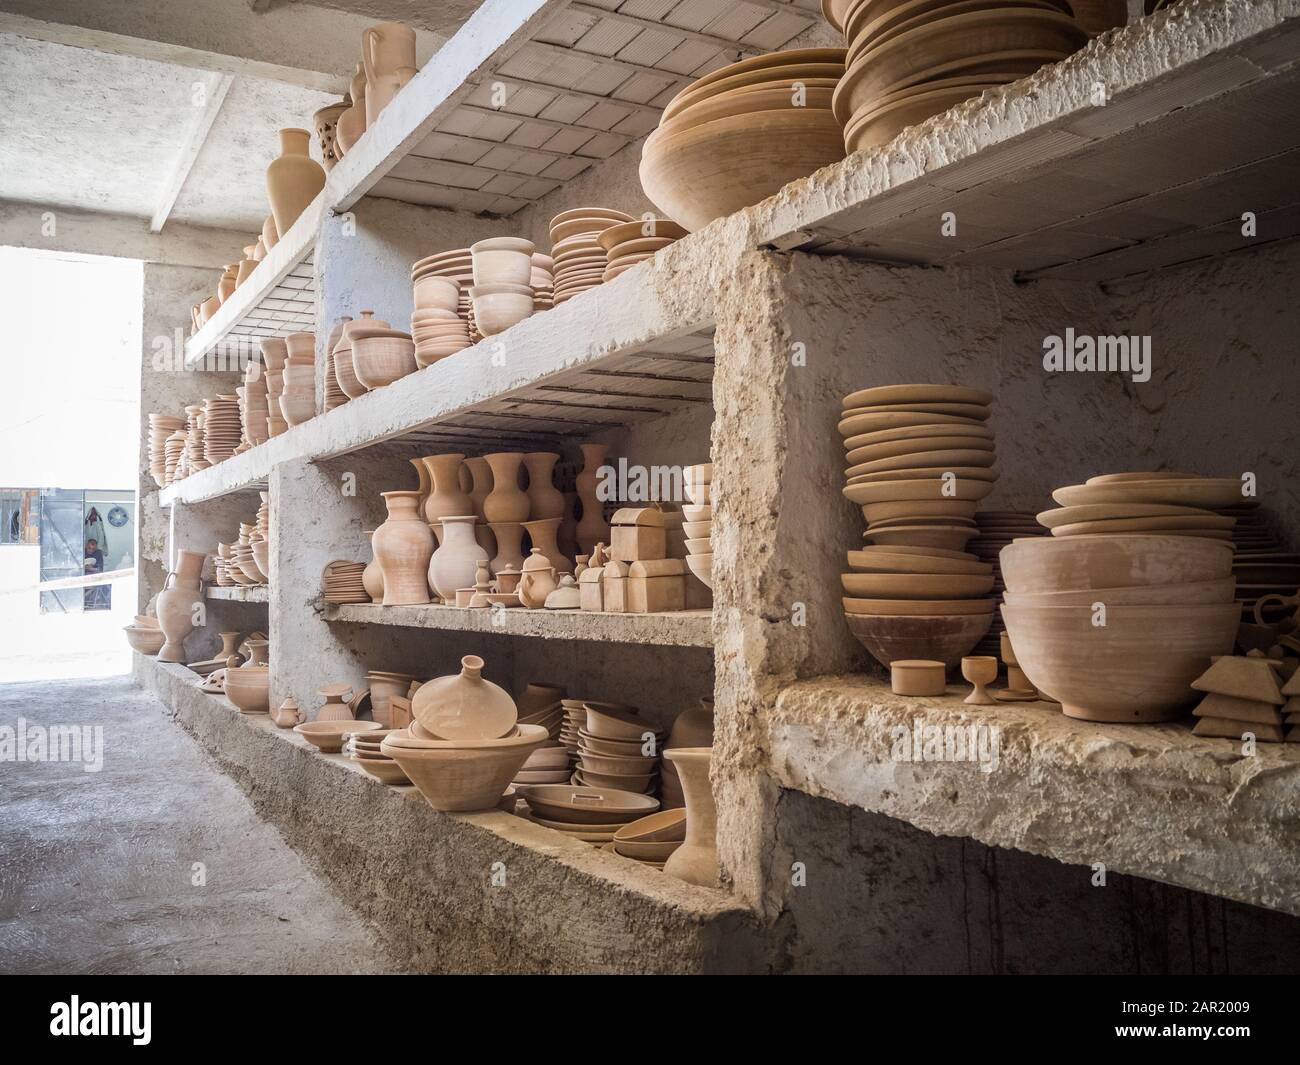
<point x="766" y="96"/>
<point x="146" y="621"/>
<point x="385" y="770"/>
<point x="607" y="721"/>
<point x="329" y="735"/>
<point x="575" y="805"/>
<point x="1078" y="563"/>
<point x="248" y="687"/>
<point x="702" y="566"/>
<point x="601" y="746"/>
<point x="617" y="765"/>
<point x="1193" y="592"/>
<point x="465" y="776"/>
<point x="144" y="638"/>
<point x="646" y="852"/>
<point x="715" y="169"/>
<point x="945" y="638"/>
<point x="498" y="307"/>
<point x="436" y="293"/>
<point x="502" y="260"/>
<point x="880" y="124"/>
<point x="944" y="537"/>
<point x="698" y="530"/>
<point x="883" y="560"/>
<point x="667" y="826"/>
<point x="916" y="585"/>
<point x="379" y="361"/>
<point x="1138" y="667"/>
<point x="784" y="74"/>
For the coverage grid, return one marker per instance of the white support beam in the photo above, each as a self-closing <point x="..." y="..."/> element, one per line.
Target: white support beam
<point x="211" y="92"/>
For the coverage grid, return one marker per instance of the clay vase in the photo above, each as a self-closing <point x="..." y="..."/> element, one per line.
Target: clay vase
<point x="270" y="234"/>
<point x="507" y="501"/>
<point x="388" y="56"/>
<point x="403" y="546"/>
<point x="352" y="122"/>
<point x="426" y="484"/>
<point x="464" y="706"/>
<point x="592" y="528"/>
<point x="456" y="561"/>
<point x="336" y="706"/>
<point x="543" y="534"/>
<point x="372" y="577"/>
<point x="446" y="497"/>
<point x="293" y="180"/>
<point x="480" y="484"/>
<point x="226" y="285"/>
<point x="176" y="604"/>
<point x="325" y="121"/>
<point x="509" y="537"/>
<point x="229" y="647"/>
<point x="696" y="860"/>
<point x="258" y="652"/>
<point x="544" y="499"/>
<point x="537" y="581"/>
<point x="692" y="728"/>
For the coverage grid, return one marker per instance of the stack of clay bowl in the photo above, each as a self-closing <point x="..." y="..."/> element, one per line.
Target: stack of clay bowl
<point x="741" y="133"/>
<point x="576" y="251"/>
<point x="222" y="429"/>
<point x="1116" y="626"/>
<point x="146" y="636"/>
<point x="345" y="375"/>
<point x="543" y="282"/>
<point x="161" y="427"/>
<point x="298" y="399"/>
<point x="611" y="750"/>
<point x="380" y="355"/>
<point x="465" y="744"/>
<point x="575" y="720"/>
<point x="651" y="840"/>
<point x="630" y="243"/>
<point x="341" y="582"/>
<point x="255" y="404"/>
<point x="436" y="323"/>
<point x="920" y="458"/>
<point x="997" y="528"/>
<point x="194" y="437"/>
<point x="249" y="686"/>
<point x="502" y="294"/>
<point x="593" y="815"/>
<point x="275" y="352"/>
<point x="698" y="485"/>
<point x="173" y="452"/>
<point x="366" y="748"/>
<point x="458" y="265"/>
<point x="909" y="61"/>
<point x="334" y="394"/>
<point x="249" y="557"/>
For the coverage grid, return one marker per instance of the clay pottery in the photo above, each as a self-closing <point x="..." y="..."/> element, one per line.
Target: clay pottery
<point x="509" y="537"/>
<point x="387" y="47"/>
<point x="592" y="527"/>
<point x="446" y="496"/>
<point x="454" y="564"/>
<point x="498" y="306"/>
<point x="329" y="735"/>
<point x="275" y="351"/>
<point x="403" y="546"/>
<point x="383" y="686"/>
<point x="146" y="639"/>
<point x="942" y="637"/>
<point x="249" y="688"/>
<point x="426" y="483"/>
<point x="350" y="126"/>
<point x="293" y="180"/>
<point x="380" y="360"/>
<point x="980" y="671"/>
<point x="258" y="651"/>
<point x="270" y="235"/>
<point x="566" y="595"/>
<point x="464" y="775"/>
<point x="916" y="585"/>
<point x="691" y="728"/>
<point x="545" y="500"/>
<point x="916" y="677"/>
<point x="208" y="308"/>
<point x="1046" y="564"/>
<point x="665" y="827"/>
<point x="480" y="476"/>
<point x="436" y="292"/>
<point x="1138" y="667"/>
<point x="326" y="120"/>
<point x="372" y="577"/>
<point x="696" y="860"/>
<point x="1210" y="493"/>
<point x="336" y="706"/>
<point x="1195" y="592"/>
<point x="503" y="260"/>
<point x="226" y="285"/>
<point x="542" y="535"/>
<point x="465" y="706"/>
<point x="569" y="805"/>
<point x="701" y="565"/>
<point x="507" y="502"/>
<point x="537" y="580"/>
<point x="181" y="592"/>
<point x="287" y="714"/>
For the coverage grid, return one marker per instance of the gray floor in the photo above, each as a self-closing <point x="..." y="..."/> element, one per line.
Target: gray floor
<point x="97" y="869"/>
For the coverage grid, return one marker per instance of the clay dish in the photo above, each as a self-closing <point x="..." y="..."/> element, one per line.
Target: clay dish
<point x="881" y="124"/>
<point x="917" y="676"/>
<point x="945" y="638"/>
<point x="903" y="394"/>
<point x="893" y="562"/>
<point x="697" y="529"/>
<point x="623" y="782"/>
<point x="917" y="472"/>
<point x="329" y="735"/>
<point x="385" y="770"/>
<point x="609" y="213"/>
<point x="922" y="511"/>
<point x="1211" y="493"/>
<point x="693" y="512"/>
<point x="964" y="451"/>
<point x="915" y="585"/>
<point x="1194" y="592"/>
<point x="591" y="806"/>
<point x="783" y="78"/>
<point x="909" y="550"/>
<point x="617" y="766"/>
<point x="645" y="852"/>
<point x="702" y="566"/>
<point x="964" y="489"/>
<point x="575" y="226"/>
<point x="966" y="429"/>
<point x="699" y="545"/>
<point x="147" y="621"/>
<point x="874" y="421"/>
<point x="146" y="639"/>
<point x="767" y="60"/>
<point x="613" y="723"/>
<point x="817" y="92"/>
<point x="1153" y="475"/>
<point x="614" y="748"/>
<point x="1209" y="527"/>
<point x="1109" y="511"/>
<point x="638" y="249"/>
<point x="951" y="538"/>
<point x="918" y="607"/>
<point x="1049" y="563"/>
<point x="664" y="228"/>
<point x="465" y="776"/>
<point x="975" y="411"/>
<point x="667" y="826"/>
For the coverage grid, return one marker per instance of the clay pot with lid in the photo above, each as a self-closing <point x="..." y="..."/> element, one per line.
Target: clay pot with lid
<point x="293" y="179"/>
<point x="465" y="706"/>
<point x="455" y="563"/>
<point x="403" y="547"/>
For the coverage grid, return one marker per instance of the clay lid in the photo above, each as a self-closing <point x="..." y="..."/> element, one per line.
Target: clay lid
<point x="646" y="516"/>
<point x="536" y="561"/>
<point x="613" y="570"/>
<point x="1242" y="677"/>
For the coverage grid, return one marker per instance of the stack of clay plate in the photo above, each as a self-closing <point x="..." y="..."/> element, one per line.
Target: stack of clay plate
<point x="630" y="243"/>
<point x="698" y="484"/>
<point x="651" y="840"/>
<point x="364" y="747"/>
<point x="742" y="132"/>
<point x="546" y="765"/>
<point x="222" y="428"/>
<point x="543" y="282"/>
<point x="256" y="407"/>
<point x="909" y="61"/>
<point x="575" y="720"/>
<point x="997" y="528"/>
<point x="173" y="452"/>
<point x="592" y="815"/>
<point x="161" y="426"/>
<point x="194" y="436"/>
<point x="579" y="259"/>
<point x="611" y="750"/>
<point x="920" y="457"/>
<point x="341" y="583"/>
<point x="457" y="264"/>
<point x="1173" y="504"/>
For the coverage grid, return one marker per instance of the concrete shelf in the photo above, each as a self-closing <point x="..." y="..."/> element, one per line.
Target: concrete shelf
<point x="1152" y="801"/>
<point x="1043" y="177"/>
<point x="685" y="628"/>
<point x="261" y="594"/>
<point x="277" y="299"/>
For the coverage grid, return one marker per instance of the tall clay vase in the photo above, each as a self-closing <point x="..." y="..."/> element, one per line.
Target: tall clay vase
<point x="480" y="484"/>
<point x="403" y="546"/>
<point x="456" y="561"/>
<point x="543" y="534"/>
<point x="446" y="496"/>
<point x="544" y="499"/>
<point x="176" y="602"/>
<point x="696" y="860"/>
<point x="293" y="180"/>
<point x="507" y="501"/>
<point x="509" y="536"/>
<point x="692" y="728"/>
<point x="592" y="529"/>
<point x="270" y="234"/>
<point x="372" y="577"/>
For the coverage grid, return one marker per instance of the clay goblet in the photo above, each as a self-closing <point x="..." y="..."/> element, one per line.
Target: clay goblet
<point x="981" y="671"/>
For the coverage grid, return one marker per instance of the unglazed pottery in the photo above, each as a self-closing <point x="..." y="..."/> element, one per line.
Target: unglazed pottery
<point x="543" y="535"/>
<point x="1051" y="564"/>
<point x="944" y="637"/>
<point x="592" y="527"/>
<point x="293" y="180"/>
<point x="537" y="580"/>
<point x="503" y="260"/>
<point x="454" y="564"/>
<point x="463" y="775"/>
<point x="545" y="500"/>
<point x="146" y="639"/>
<point x="446" y="497"/>
<point x="403" y="546"/>
<point x="917" y="677"/>
<point x="507" y="502"/>
<point x="329" y="735"/>
<point x="509" y="537"/>
<point x="337" y="705"/>
<point x="465" y="706"/>
<point x="980" y="671"/>
<point x="249" y="688"/>
<point x="181" y="592"/>
<point x="696" y="860"/>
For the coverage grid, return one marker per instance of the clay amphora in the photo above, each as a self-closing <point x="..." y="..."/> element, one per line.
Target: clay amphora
<point x="176" y="602"/>
<point x="455" y="563"/>
<point x="403" y="546"/>
<point x="446" y="497"/>
<point x="592" y="528"/>
<point x="270" y="235"/>
<point x="507" y="501"/>
<point x="292" y="180"/>
<point x="696" y="860"/>
<point x="545" y="500"/>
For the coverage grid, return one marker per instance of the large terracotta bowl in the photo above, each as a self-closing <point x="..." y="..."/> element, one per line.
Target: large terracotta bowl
<point x="1138" y="667"/>
<point x="464" y="776"/>
<point x="715" y="169"/>
<point x="146" y="639"/>
<point x="248" y="687"/>
<point x="945" y="638"/>
<point x="1039" y="564"/>
<point x="1194" y="592"/>
<point x="378" y="361"/>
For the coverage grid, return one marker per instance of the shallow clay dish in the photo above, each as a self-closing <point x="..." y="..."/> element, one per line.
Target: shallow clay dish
<point x="915" y="472"/>
<point x="329" y="735"/>
<point x="915" y="585"/>
<point x="1110" y="511"/>
<point x="1212" y="493"/>
<point x="879" y="125"/>
<point x="667" y="826"/>
<point x="948" y="537"/>
<point x="784" y="76"/>
<point x="385" y="770"/>
<point x="895" y="562"/>
<point x="977" y="456"/>
<point x="896" y="394"/>
<point x="918" y="607"/>
<point x="591" y="806"/>
<point x="946" y="638"/>
<point x="1174" y="526"/>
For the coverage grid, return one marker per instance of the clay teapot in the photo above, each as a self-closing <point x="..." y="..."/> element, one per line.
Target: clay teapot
<point x="287" y="714"/>
<point x="537" y="580"/>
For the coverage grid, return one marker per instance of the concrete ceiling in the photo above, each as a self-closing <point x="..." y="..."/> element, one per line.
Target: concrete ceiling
<point x="101" y="108"/>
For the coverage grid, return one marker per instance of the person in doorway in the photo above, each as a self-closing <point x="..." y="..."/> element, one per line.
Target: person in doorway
<point x="99" y="597"/>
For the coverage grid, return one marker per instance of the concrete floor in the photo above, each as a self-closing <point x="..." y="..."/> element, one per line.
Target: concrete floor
<point x="97" y="869"/>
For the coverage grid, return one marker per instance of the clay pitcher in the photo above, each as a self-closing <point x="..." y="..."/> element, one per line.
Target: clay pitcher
<point x="181" y="592"/>
<point x="446" y="497"/>
<point x="696" y="860"/>
<point x="293" y="180"/>
<point x="455" y="564"/>
<point x="507" y="501"/>
<point x="592" y="529"/>
<point x="403" y="546"/>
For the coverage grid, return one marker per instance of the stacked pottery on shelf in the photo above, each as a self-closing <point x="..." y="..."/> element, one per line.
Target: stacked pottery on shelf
<point x="388" y="59"/>
<point x="255" y="404"/>
<point x="1115" y="625"/>
<point x="380" y="354"/>
<point x="341" y="582"/>
<point x="275" y="354"/>
<point x="741" y="133"/>
<point x="651" y="840"/>
<point x="591" y="815"/>
<point x="366" y="748"/>
<point x="298" y="398"/>
<point x="182" y="592"/>
<point x="456" y="265"/>
<point x="334" y="394"/>
<point x="222" y="428"/>
<point x="1244" y="695"/>
<point x="146" y="636"/>
<point x="161" y="429"/>
<point x="909" y="61"/>
<point x="551" y="763"/>
<point x="630" y="243"/>
<point x="920" y="457"/>
<point x="997" y="528"/>
<point x="543" y="282"/>
<point x="698" y="523"/>
<point x="579" y="260"/>
<point x="618" y="749"/>
<point x="193" y="452"/>
<point x="437" y="326"/>
<point x="403" y="547"/>
<point x="502" y="293"/>
<point x="248" y="685"/>
<point x="465" y="743"/>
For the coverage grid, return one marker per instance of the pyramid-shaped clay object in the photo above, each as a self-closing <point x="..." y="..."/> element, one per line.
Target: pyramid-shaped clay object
<point x="1292" y="686"/>
<point x="1231" y="708"/>
<point x="1234" y="730"/>
<point x="1242" y="676"/>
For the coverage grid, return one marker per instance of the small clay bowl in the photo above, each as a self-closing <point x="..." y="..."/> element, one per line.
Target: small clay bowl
<point x="329" y="735"/>
<point x="666" y="826"/>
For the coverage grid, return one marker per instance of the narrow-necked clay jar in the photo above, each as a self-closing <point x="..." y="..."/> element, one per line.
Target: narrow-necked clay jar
<point x="538" y="580"/>
<point x="403" y="546"/>
<point x="446" y="496"/>
<point x="464" y="706"/>
<point x="455" y="563"/>
<point x="592" y="528"/>
<point x="696" y="860"/>
<point x="544" y="499"/>
<point x="480" y="484"/>
<point x="293" y="179"/>
<point x="175" y="608"/>
<point x="507" y="501"/>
